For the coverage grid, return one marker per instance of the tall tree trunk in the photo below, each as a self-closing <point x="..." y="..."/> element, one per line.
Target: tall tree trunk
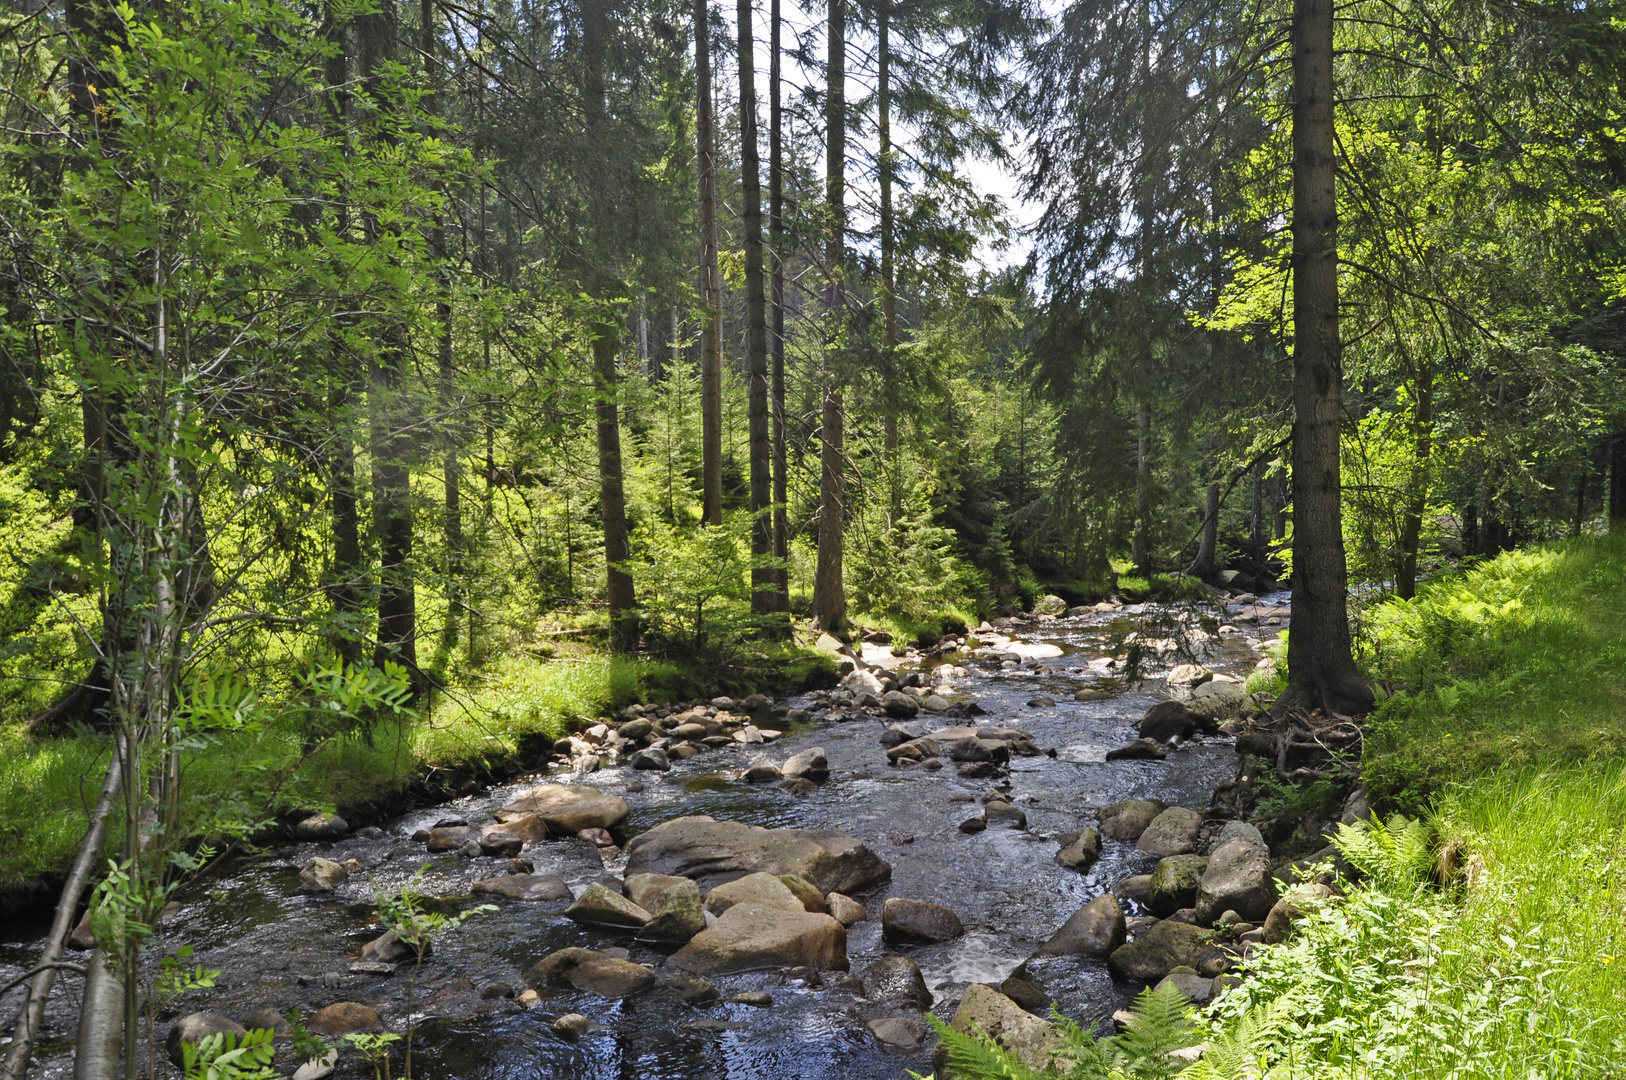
<point x="1143" y="490"/>
<point x="756" y="323"/>
<point x="711" y="282"/>
<point x="1617" y="481"/>
<point x="889" y="282"/>
<point x="1411" y="525"/>
<point x="1580" y="504"/>
<point x="829" y="593"/>
<point x="1279" y="526"/>
<point x="776" y="241"/>
<point x="1320" y="663"/>
<point x="1256" y="521"/>
<point x="1203" y="565"/>
<point x="391" y="442"/>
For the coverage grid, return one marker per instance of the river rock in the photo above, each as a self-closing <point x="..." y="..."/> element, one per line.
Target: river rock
<point x="918" y="921"/>
<point x="634" y="730"/>
<point x="1157" y="952"/>
<point x="388" y="948"/>
<point x="1167" y="721"/>
<point x="983" y="1008"/>
<point x="762" y="888"/>
<point x="1188" y="675"/>
<point x="677" y="915"/>
<point x="594" y="972"/>
<point x="322" y="875"/>
<point x="566" y="810"/>
<point x="1003" y="813"/>
<point x="914" y="750"/>
<point x="1096" y="930"/>
<point x="645" y="889"/>
<point x="899" y="706"/>
<point x="715" y="852"/>
<point x="896" y="981"/>
<point x="807" y="892"/>
<point x="322" y="828"/>
<point x="531" y="888"/>
<point x="1026" y="993"/>
<point x="800" y="787"/>
<point x="571" y="1026"/>
<point x="1128" y="819"/>
<point x="650" y="760"/>
<point x="499" y="841"/>
<point x="845" y="910"/>
<point x="934" y="703"/>
<point x="1216" y="697"/>
<point x="692" y="990"/>
<point x="1191" y="986"/>
<point x="1080" y="850"/>
<point x="761" y="774"/>
<point x="901" y="1033"/>
<point x="598" y="906"/>
<point x="1173" y="832"/>
<point x="1138" y="750"/>
<point x="1290" y="908"/>
<point x="196" y="1027"/>
<point x="1174" y="884"/>
<point x="1237" y="877"/>
<point x="345" y="1018"/>
<point x="862" y="681"/>
<point x="1041" y="701"/>
<point x="1049" y="605"/>
<point x="1133" y="889"/>
<point x="810" y="764"/>
<point x="451" y="837"/>
<point x="750" y="937"/>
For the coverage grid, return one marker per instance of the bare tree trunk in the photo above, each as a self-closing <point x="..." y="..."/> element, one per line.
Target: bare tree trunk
<point x="711" y="286"/>
<point x="1580" y="504"/>
<point x="756" y="323"/>
<point x="776" y="234"/>
<point x="889" y="283"/>
<point x="1256" y="521"/>
<point x="1617" y="481"/>
<point x="1143" y="492"/>
<point x="1320" y="662"/>
<point x="1279" y="525"/>
<point x="1411" y="525"/>
<point x="829" y="593"/>
<point x="1203" y="565"/>
<point x="612" y="497"/>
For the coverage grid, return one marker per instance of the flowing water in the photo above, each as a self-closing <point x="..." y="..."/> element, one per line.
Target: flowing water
<point x="275" y="948"/>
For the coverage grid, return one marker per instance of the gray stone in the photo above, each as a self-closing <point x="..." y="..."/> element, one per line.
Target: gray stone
<point x="1031" y="1039"/>
<point x="1080" y="850"/>
<point x="633" y="730"/>
<point x="598" y="906"/>
<point x="594" y="972"/>
<point x="345" y="1018"/>
<point x="845" y="909"/>
<point x="1096" y="930"/>
<point x="1158" y="951"/>
<point x="677" y="915"/>
<point x="1193" y="987"/>
<point x="1237" y="878"/>
<point x="1290" y="908"/>
<point x="750" y="937"/>
<point x="322" y="875"/>
<point x="898" y="705"/>
<point x="1003" y="813"/>
<point x="196" y="1027"/>
<point x="645" y="889"/>
<point x="1216" y="697"/>
<point x="918" y="922"/>
<point x="896" y="981"/>
<point x="1174" y="883"/>
<point x="901" y="1033"/>
<point x="650" y="760"/>
<point x="452" y="837"/>
<point x="572" y="1026"/>
<point x="1127" y="820"/>
<point x="692" y="990"/>
<point x="762" y="888"/>
<point x="760" y="999"/>
<point x="761" y="774"/>
<point x="810" y="764"/>
<point x="1173" y="832"/>
<point x="714" y="852"/>
<point x="1049" y="605"/>
<point x="500" y="842"/>
<point x="1138" y="750"/>
<point x="389" y="949"/>
<point x="321" y="828"/>
<point x="1134" y="888"/>
<point x="1167" y="721"/>
<point x="532" y="888"/>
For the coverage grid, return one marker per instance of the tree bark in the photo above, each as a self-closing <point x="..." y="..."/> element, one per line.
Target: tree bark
<point x="1411" y="525"/>
<point x="1617" y="481"/>
<point x="889" y="283"/>
<point x="829" y="593"/>
<point x="1203" y="565"/>
<point x="776" y="240"/>
<point x="1320" y="662"/>
<point x="756" y="324"/>
<point x="711" y="287"/>
<point x="1256" y="521"/>
<point x="1143" y="490"/>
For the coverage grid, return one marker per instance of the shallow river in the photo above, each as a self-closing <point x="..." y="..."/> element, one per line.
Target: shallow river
<point x="274" y="947"/>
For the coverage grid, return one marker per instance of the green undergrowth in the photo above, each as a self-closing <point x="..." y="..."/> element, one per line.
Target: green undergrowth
<point x="1517" y="661"/>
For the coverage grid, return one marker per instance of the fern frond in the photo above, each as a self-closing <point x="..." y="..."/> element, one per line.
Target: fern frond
<point x="1242" y="1053"/>
<point x="1395" y="854"/>
<point x="1159" y="1022"/>
<point x="975" y="1056"/>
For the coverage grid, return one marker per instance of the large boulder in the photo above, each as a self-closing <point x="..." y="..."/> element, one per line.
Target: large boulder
<point x="1173" y="832"/>
<point x="592" y="971"/>
<point x="1049" y="605"/>
<point x="1292" y="907"/>
<point x="848" y="912"/>
<point x="598" y="906"/>
<point x="567" y="810"/>
<point x="451" y="837"/>
<point x="532" y="888"/>
<point x="899" y="706"/>
<point x="1160" y="950"/>
<point x="1128" y="819"/>
<point x="645" y="889"/>
<point x="715" y="852"/>
<point x="987" y="1010"/>
<point x="767" y="890"/>
<point x="751" y="937"/>
<point x="1174" y="884"/>
<point x="677" y="915"/>
<point x="345" y="1018"/>
<point x="1167" y="721"/>
<point x="1096" y="929"/>
<point x="1080" y="850"/>
<point x="896" y="981"/>
<point x="1216" y="697"/>
<point x="1237" y="877"/>
<point x="321" y="827"/>
<point x="196" y="1027"/>
<point x="322" y="875"/>
<point x="1139" y="750"/>
<point x="810" y="764"/>
<point x="388" y="948"/>
<point x="918" y="922"/>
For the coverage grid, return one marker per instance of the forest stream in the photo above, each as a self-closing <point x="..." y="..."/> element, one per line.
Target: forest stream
<point x="280" y="949"/>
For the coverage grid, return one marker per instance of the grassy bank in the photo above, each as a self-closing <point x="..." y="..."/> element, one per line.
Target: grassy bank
<point x="1488" y="935"/>
<point x="507" y="710"/>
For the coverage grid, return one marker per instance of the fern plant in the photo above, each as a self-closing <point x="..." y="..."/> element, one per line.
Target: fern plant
<point x="1395" y="856"/>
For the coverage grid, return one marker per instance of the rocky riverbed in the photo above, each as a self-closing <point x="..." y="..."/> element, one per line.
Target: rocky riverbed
<point x="762" y="889"/>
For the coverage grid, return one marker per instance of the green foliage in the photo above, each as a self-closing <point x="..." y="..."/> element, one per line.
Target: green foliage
<point x="1395" y="855"/>
<point x="222" y="1056"/>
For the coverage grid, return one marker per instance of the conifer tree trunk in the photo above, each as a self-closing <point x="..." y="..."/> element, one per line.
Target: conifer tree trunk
<point x="889" y="283"/>
<point x="776" y="240"/>
<point x="1143" y="490"/>
<point x="1203" y="565"/>
<point x="1321" y="666"/>
<point x="829" y="594"/>
<point x="756" y="323"/>
<point x="1411" y="525"/>
<point x="1256" y="520"/>
<point x="711" y="287"/>
<point x="1617" y="481"/>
